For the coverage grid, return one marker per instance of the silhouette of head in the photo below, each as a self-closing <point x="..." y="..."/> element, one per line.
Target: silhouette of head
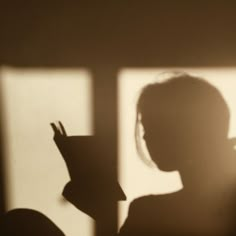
<point x="183" y="118"/>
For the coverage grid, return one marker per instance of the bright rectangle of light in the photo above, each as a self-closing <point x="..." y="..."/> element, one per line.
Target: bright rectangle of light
<point x="36" y="172"/>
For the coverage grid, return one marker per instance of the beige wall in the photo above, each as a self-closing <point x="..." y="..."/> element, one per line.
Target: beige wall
<point x="36" y="172"/>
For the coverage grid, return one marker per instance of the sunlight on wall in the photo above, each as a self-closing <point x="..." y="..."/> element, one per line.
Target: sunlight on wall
<point x="36" y="172"/>
<point x="136" y="178"/>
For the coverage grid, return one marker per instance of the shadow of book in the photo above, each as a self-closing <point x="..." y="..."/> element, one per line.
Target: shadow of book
<point x="91" y="185"/>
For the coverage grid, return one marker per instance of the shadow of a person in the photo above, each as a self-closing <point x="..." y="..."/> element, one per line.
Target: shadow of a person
<point x="186" y="121"/>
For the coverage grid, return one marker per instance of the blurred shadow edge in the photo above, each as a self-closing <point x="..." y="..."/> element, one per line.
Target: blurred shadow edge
<point x="2" y="154"/>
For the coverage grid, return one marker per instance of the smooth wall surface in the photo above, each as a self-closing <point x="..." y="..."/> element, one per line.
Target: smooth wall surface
<point x="36" y="172"/>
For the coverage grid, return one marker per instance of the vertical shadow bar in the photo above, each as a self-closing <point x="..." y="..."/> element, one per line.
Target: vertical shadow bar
<point x="2" y="166"/>
<point x="105" y="124"/>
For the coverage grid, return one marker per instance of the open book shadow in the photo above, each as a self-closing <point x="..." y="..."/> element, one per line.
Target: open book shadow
<point x="90" y="189"/>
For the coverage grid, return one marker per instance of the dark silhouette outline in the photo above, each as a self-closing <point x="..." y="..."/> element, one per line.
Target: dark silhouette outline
<point x="90" y="188"/>
<point x="185" y="121"/>
<point x="27" y="222"/>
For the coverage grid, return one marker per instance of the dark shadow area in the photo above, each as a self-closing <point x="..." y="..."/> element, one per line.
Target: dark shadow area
<point x="186" y="121"/>
<point x="26" y="222"/>
<point x="91" y="189"/>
